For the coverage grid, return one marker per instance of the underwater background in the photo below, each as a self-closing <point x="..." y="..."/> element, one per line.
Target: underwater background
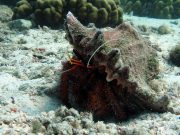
<point x="33" y="46"/>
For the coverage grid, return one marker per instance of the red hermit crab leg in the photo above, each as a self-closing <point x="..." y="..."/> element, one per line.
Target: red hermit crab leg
<point x="76" y="62"/>
<point x="79" y="63"/>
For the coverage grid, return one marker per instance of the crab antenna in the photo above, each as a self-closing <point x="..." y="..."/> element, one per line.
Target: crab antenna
<point x="104" y="44"/>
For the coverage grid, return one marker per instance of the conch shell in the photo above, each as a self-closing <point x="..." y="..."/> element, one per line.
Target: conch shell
<point x="121" y="61"/>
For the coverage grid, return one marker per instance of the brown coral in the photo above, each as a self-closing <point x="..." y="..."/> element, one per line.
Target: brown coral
<point x="122" y="63"/>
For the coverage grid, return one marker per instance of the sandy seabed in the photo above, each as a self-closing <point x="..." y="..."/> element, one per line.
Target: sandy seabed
<point x="30" y="68"/>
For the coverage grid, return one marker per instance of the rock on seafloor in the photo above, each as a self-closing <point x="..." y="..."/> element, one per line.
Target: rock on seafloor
<point x="5" y="13"/>
<point x="21" y="24"/>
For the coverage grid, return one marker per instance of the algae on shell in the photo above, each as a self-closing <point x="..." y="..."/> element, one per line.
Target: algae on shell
<point x="121" y="61"/>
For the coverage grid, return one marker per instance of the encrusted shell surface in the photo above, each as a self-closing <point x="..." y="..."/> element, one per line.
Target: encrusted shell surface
<point x="125" y="56"/>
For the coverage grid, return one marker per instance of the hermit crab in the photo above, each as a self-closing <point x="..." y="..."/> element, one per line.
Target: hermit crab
<point x="109" y="72"/>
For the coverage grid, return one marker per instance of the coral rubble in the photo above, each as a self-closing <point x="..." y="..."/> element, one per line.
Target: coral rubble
<point x="109" y="72"/>
<point x="175" y="55"/>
